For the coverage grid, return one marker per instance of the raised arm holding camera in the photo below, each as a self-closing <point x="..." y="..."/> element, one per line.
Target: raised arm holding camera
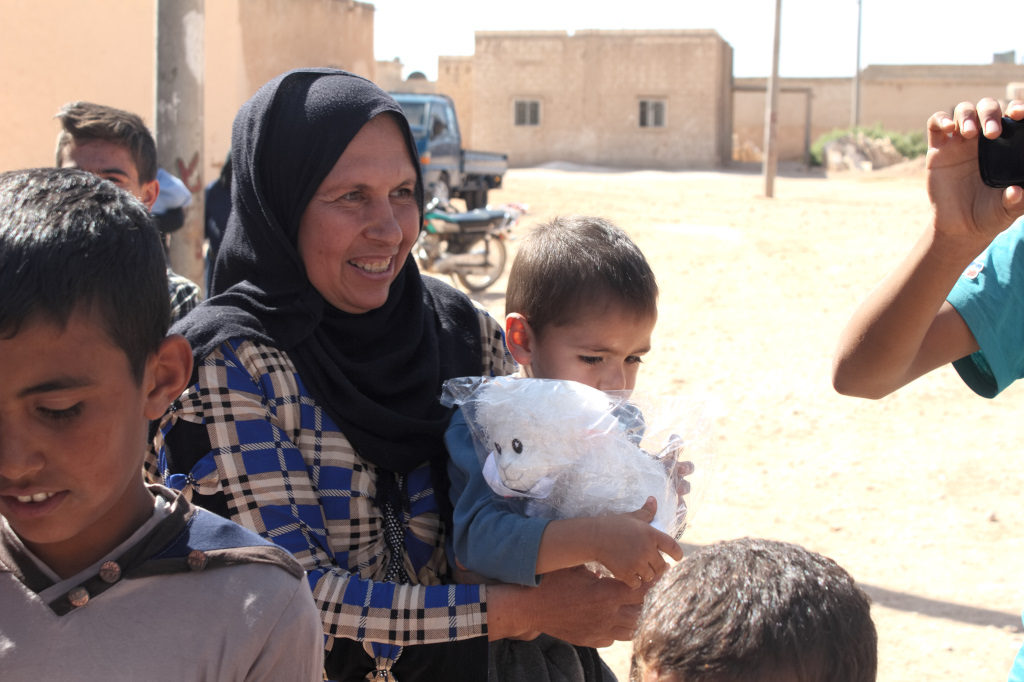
<point x="944" y="302"/>
<point x="954" y="297"/>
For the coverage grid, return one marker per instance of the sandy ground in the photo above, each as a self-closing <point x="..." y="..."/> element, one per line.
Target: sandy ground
<point x="917" y="495"/>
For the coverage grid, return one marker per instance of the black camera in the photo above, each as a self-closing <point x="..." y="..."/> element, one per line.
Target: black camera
<point x="1001" y="161"/>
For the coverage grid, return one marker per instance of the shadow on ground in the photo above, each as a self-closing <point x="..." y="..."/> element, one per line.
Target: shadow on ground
<point x="785" y="169"/>
<point x="933" y="608"/>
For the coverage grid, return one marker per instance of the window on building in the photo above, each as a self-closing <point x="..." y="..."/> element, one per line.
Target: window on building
<point x="527" y="112"/>
<point x="652" y="113"/>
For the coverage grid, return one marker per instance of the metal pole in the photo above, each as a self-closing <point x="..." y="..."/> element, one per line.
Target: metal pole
<point x="855" y="112"/>
<point x="771" y="118"/>
<point x="179" y="120"/>
<point x="808" y="122"/>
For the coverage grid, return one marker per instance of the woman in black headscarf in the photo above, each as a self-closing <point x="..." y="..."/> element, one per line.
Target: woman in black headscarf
<point x="314" y="418"/>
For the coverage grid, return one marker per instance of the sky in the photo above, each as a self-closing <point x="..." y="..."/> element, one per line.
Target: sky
<point x="818" y="38"/>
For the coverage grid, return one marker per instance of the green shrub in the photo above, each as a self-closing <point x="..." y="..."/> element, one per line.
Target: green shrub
<point x="818" y="147"/>
<point x="910" y="145"/>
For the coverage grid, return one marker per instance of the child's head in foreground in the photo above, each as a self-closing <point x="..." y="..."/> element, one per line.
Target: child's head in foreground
<point x="753" y="610"/>
<point x="85" y="359"/>
<point x="581" y="303"/>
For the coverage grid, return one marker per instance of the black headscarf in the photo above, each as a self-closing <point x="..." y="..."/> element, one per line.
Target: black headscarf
<point x="378" y="374"/>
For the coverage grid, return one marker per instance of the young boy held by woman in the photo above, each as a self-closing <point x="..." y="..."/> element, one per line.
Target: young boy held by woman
<point x="581" y="305"/>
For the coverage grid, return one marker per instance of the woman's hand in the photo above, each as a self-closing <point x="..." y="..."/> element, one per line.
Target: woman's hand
<point x="571" y="604"/>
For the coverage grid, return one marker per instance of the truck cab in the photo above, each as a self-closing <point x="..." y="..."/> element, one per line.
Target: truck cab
<point x="449" y="171"/>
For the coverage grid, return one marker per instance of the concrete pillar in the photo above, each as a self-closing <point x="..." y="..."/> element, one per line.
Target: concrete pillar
<point x="180" y="29"/>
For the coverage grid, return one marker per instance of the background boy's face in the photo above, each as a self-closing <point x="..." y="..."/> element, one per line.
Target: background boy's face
<point x="601" y="349"/>
<point x="113" y="162"/>
<point x="72" y="437"/>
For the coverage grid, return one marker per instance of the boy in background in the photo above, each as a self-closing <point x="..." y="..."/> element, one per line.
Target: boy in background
<point x="117" y="146"/>
<point x="581" y="304"/>
<point x="101" y="576"/>
<point x="753" y="610"/>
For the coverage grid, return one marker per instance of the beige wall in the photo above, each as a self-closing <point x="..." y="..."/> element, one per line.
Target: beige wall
<point x="823" y="101"/>
<point x="55" y="51"/>
<point x="589" y="86"/>
<point x="389" y="77"/>
<point x="455" y="79"/>
<point x="388" y="74"/>
<point x="902" y="98"/>
<point x="898" y="98"/>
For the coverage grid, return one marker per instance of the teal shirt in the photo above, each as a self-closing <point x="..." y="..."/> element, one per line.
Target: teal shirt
<point x="990" y="298"/>
<point x="1017" y="671"/>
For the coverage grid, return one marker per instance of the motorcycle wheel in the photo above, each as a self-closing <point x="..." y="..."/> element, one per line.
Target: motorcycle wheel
<point x="492" y="254"/>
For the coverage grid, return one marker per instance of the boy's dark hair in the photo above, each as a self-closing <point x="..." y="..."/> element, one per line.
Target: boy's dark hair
<point x="753" y="609"/>
<point x="83" y="121"/>
<point x="68" y="241"/>
<point x="574" y="264"/>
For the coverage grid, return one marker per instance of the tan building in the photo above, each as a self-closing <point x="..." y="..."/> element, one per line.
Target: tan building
<point x="807" y="109"/>
<point x="55" y="51"/>
<point x="902" y="98"/>
<point x="898" y="98"/>
<point x="651" y="99"/>
<point x="640" y="99"/>
<point x="551" y="96"/>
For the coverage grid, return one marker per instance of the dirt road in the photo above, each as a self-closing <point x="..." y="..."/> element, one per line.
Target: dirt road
<point x="917" y="495"/>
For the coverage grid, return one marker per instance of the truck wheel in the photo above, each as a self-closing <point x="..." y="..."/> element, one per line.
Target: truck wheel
<point x="476" y="199"/>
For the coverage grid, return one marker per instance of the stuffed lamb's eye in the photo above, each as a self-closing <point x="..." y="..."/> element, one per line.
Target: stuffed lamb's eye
<point x="517" y="446"/>
<point x="497" y="447"/>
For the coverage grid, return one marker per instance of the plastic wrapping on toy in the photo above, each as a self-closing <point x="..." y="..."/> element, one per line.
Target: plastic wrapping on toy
<point x="561" y="449"/>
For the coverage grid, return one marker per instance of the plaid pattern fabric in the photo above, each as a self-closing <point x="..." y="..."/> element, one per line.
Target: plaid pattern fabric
<point x="289" y="474"/>
<point x="185" y="295"/>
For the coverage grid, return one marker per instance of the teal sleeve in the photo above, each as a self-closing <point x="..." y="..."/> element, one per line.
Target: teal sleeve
<point x="990" y="298"/>
<point x="1017" y="671"/>
<point x="488" y="536"/>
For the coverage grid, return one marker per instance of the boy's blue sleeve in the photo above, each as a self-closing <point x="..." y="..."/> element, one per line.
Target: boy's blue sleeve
<point x="990" y="298"/>
<point x="489" y="538"/>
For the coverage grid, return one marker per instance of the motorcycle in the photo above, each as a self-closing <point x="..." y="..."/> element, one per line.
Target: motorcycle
<point x="469" y="246"/>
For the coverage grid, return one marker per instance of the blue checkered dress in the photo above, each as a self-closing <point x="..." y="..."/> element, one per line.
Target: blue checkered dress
<point x="288" y="473"/>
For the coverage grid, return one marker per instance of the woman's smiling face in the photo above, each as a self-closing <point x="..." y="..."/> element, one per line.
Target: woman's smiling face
<point x="361" y="223"/>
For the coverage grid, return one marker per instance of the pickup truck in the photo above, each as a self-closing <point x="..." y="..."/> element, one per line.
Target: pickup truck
<point x="449" y="171"/>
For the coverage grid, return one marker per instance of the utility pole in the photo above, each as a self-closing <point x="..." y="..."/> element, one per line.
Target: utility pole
<point x="180" y="32"/>
<point x="855" y="112"/>
<point x="771" y="116"/>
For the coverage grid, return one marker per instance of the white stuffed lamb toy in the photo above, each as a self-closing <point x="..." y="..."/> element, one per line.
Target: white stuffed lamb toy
<point x="570" y="449"/>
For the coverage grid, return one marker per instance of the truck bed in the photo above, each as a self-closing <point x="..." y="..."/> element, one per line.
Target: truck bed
<point x="484" y="163"/>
